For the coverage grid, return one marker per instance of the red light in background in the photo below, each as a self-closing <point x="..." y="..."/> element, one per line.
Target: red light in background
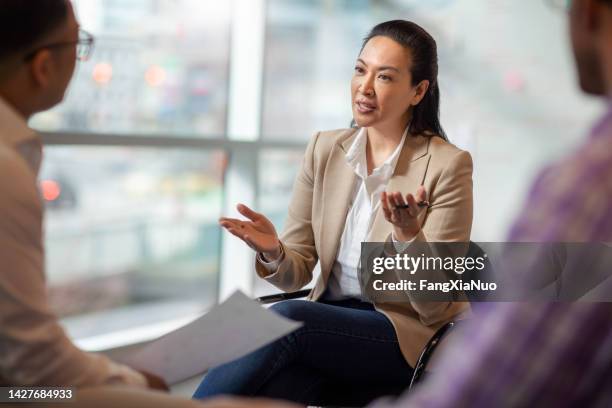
<point x="514" y="81"/>
<point x="103" y="73"/>
<point x="155" y="76"/>
<point x="50" y="190"/>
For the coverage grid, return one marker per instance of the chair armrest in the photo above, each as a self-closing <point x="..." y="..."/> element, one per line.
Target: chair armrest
<point x="428" y="350"/>
<point x="264" y="300"/>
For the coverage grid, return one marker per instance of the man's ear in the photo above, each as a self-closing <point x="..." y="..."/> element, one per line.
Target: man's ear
<point x="421" y="90"/>
<point x="41" y="68"/>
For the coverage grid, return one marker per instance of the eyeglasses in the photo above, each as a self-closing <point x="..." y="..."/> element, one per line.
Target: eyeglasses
<point x="84" y="46"/>
<point x="564" y="5"/>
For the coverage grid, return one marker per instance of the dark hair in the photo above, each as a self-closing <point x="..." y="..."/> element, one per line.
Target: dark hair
<point x="425" y="115"/>
<point x="23" y="23"/>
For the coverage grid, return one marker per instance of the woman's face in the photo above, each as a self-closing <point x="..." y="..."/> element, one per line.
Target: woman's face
<point x="381" y="88"/>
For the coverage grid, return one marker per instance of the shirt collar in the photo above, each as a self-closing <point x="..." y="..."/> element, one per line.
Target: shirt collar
<point x="356" y="155"/>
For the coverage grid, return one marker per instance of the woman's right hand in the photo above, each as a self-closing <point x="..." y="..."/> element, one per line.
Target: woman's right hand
<point x="257" y="232"/>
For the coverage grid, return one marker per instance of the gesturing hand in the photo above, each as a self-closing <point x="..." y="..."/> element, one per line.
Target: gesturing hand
<point x="404" y="213"/>
<point x="257" y="232"/>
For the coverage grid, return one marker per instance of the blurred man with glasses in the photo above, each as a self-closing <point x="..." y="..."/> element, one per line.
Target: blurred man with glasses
<point x="40" y="44"/>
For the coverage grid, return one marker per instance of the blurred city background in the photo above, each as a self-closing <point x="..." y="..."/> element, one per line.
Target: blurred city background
<point x="155" y="140"/>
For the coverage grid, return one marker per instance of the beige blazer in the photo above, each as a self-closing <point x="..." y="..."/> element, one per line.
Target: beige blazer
<point x="319" y="207"/>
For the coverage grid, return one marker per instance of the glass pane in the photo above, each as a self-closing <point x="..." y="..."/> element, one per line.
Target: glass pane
<point x="129" y="229"/>
<point x="311" y="47"/>
<point x="158" y="67"/>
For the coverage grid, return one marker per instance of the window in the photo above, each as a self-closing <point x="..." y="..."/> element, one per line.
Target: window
<point x="128" y="228"/>
<point x="158" y="68"/>
<point x="311" y="47"/>
<point x="132" y="191"/>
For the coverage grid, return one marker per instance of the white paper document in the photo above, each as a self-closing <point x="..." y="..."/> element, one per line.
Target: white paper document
<point x="228" y="331"/>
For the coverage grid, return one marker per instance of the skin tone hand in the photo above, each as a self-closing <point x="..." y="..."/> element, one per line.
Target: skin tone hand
<point x="404" y="219"/>
<point x="155" y="382"/>
<point x="257" y="232"/>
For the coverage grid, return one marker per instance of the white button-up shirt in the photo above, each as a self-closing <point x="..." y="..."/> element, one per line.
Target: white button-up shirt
<point x="365" y="201"/>
<point x="344" y="279"/>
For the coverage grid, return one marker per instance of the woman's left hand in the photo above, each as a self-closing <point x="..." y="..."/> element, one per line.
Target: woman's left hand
<point x="404" y="213"/>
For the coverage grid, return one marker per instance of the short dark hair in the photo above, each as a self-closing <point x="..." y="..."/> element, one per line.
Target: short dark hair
<point x="426" y="115"/>
<point x="23" y="23"/>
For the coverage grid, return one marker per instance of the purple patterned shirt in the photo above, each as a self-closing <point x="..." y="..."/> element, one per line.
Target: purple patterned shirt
<point x="539" y="354"/>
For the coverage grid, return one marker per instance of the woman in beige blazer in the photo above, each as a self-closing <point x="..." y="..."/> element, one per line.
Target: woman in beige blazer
<point x="358" y="184"/>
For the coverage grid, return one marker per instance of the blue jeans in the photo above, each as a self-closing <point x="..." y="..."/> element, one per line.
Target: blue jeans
<point x="344" y="349"/>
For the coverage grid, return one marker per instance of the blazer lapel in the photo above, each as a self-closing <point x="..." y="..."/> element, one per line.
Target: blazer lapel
<point x="338" y="185"/>
<point x="409" y="174"/>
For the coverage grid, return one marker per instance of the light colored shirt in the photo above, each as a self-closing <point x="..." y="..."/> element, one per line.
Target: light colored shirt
<point x="34" y="349"/>
<point x="365" y="202"/>
<point x="539" y="354"/>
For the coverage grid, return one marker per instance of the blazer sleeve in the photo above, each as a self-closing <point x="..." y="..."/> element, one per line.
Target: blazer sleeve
<point x="448" y="220"/>
<point x="297" y="239"/>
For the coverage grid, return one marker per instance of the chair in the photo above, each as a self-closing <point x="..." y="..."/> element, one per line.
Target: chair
<point x="474" y="251"/>
<point x="420" y="369"/>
